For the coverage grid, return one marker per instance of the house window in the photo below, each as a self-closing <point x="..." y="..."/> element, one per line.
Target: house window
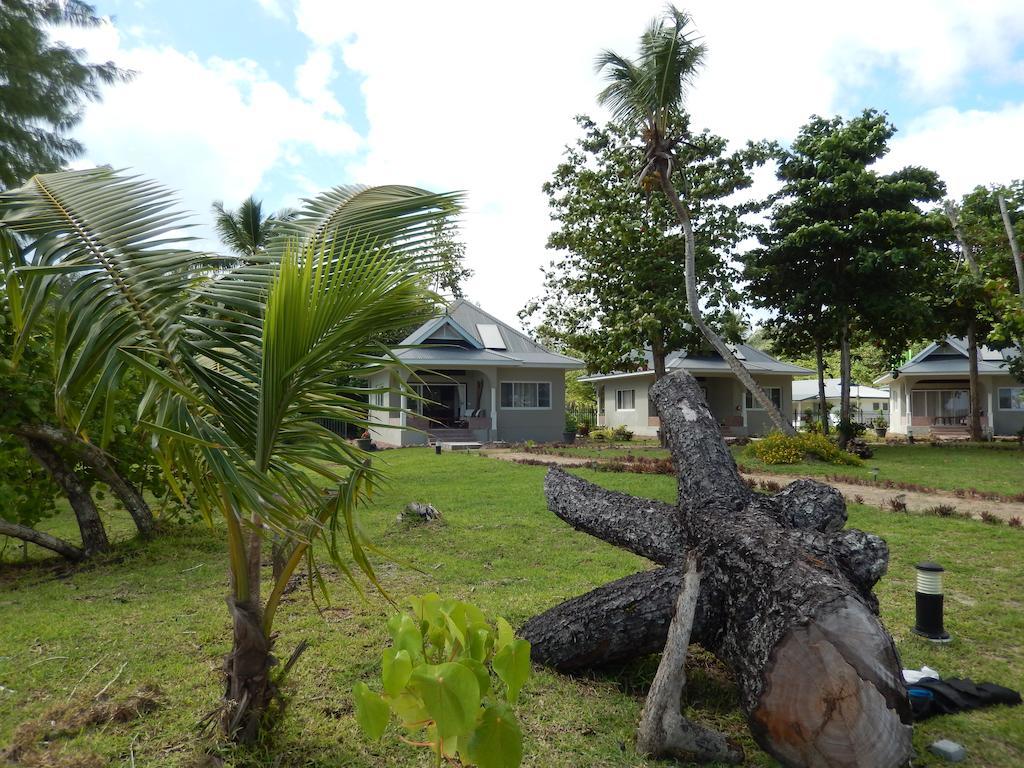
<point x="377" y="399"/>
<point x="525" y="394"/>
<point x="941" y="405"/>
<point x="1011" y="398"/>
<point x="625" y="399"/>
<point x="876" y="406"/>
<point x="774" y="393"/>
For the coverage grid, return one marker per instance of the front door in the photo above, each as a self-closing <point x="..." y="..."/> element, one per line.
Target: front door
<point x="442" y="406"/>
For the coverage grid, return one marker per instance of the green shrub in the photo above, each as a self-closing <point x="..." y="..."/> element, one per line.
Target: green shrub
<point x="622" y="433"/>
<point x="779" y="448"/>
<point x="602" y="434"/>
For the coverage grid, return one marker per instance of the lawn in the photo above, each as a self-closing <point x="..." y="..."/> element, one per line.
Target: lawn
<point x="993" y="468"/>
<point x="156" y="613"/>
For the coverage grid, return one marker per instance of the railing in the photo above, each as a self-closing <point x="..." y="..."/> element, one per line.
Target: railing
<point x="584" y="414"/>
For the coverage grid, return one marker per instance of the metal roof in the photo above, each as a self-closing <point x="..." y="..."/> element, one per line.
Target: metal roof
<point x="464" y="318"/>
<point x="754" y="360"/>
<point x="807" y="389"/>
<point x="949" y="357"/>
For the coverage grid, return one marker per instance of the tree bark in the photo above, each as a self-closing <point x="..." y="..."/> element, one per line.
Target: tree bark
<point x="94" y="535"/>
<point x="101" y="464"/>
<point x="819" y="358"/>
<point x="786" y="608"/>
<point x="844" y="384"/>
<point x="663" y="731"/>
<point x="739" y="370"/>
<point x="1018" y="263"/>
<point x="45" y="540"/>
<point x="248" y="688"/>
<point x="972" y="368"/>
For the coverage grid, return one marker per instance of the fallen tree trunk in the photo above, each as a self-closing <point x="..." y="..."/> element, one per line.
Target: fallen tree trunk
<point x="45" y="540"/>
<point x="785" y="597"/>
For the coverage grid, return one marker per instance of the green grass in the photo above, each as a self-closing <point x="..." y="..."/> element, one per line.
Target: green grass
<point x="989" y="468"/>
<point x="157" y="609"/>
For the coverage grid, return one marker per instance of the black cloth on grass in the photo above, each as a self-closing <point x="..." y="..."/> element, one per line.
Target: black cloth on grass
<point x="956" y="694"/>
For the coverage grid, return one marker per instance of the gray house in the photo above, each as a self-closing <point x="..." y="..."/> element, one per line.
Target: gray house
<point x="930" y="394"/>
<point x="622" y="398"/>
<point x="479" y="379"/>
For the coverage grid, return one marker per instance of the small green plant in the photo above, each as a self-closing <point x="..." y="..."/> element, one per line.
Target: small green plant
<point x="437" y="680"/>
<point x="571" y="424"/>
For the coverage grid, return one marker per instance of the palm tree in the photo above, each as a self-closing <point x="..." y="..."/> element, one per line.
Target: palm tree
<point x="247" y="231"/>
<point x="648" y="94"/>
<point x="241" y="364"/>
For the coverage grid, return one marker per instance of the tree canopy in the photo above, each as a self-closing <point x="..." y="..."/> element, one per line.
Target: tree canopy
<point x="615" y="284"/>
<point x="45" y="85"/>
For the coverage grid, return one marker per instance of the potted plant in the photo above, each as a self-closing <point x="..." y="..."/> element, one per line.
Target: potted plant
<point x="363" y="442"/>
<point x="881" y="426"/>
<point x="571" y="425"/>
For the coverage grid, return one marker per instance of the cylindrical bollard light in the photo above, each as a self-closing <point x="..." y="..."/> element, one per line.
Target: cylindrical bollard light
<point x="929" y="603"/>
<point x="437" y="448"/>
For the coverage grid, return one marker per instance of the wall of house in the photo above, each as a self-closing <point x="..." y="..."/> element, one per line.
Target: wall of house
<point x="543" y="425"/>
<point x="725" y="396"/>
<point x="1006" y="422"/>
<point x="387" y="424"/>
<point x="867" y="410"/>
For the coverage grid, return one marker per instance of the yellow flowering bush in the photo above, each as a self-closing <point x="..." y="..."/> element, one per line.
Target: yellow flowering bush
<point x="779" y="448"/>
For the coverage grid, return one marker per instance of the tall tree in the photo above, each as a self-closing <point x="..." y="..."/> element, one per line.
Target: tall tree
<point x="242" y="365"/>
<point x="613" y="286"/>
<point x="848" y="247"/>
<point x="647" y="94"/>
<point x="44" y="86"/>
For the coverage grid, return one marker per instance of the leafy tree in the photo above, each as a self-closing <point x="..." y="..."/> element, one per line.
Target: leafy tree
<point x="43" y="86"/>
<point x="647" y="94"/>
<point x="450" y="270"/>
<point x="241" y="366"/>
<point x="613" y="288"/>
<point x="848" y="252"/>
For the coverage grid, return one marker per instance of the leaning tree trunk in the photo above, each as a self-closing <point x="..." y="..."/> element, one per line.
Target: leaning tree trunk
<point x="1018" y="262"/>
<point x="94" y="535"/>
<point x="664" y="170"/>
<point x="972" y="368"/>
<point x="846" y="425"/>
<point x="101" y="464"/>
<point x="784" y="601"/>
<point x="45" y="540"/>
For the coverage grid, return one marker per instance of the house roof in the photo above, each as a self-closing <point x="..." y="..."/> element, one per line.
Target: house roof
<point x="807" y="389"/>
<point x="949" y="357"/>
<point x="466" y="336"/>
<point x="754" y="360"/>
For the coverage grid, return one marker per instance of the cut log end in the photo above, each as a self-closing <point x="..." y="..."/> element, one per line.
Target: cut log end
<point x="831" y="698"/>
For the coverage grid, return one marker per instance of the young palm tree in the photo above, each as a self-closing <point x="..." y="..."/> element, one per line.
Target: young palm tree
<point x="242" y="364"/>
<point x="246" y="231"/>
<point x="648" y="94"/>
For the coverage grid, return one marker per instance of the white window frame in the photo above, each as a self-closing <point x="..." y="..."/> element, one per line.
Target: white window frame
<point x="618" y="399"/>
<point x="753" y="405"/>
<point x="377" y="399"/>
<point x="514" y="407"/>
<point x="999" y="399"/>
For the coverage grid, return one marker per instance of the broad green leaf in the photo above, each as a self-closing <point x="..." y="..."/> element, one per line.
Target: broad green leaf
<point x="481" y="640"/>
<point x="483" y="677"/>
<point x="505" y="633"/>
<point x="497" y="741"/>
<point x="512" y="663"/>
<point x="396" y="669"/>
<point x="410" y="710"/>
<point x="372" y="712"/>
<point x="450" y="694"/>
<point x="425" y="607"/>
<point x="457" y="632"/>
<point x="406" y="636"/>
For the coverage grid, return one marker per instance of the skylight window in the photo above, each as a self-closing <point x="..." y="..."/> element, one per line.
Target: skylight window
<point x="490" y="335"/>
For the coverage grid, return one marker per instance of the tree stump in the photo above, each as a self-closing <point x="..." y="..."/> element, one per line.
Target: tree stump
<point x="784" y="596"/>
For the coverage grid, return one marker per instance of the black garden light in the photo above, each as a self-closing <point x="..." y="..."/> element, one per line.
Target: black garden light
<point x="929" y="603"/>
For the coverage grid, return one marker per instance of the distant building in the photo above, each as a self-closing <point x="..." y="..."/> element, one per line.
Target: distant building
<point x="931" y="393"/>
<point x="622" y="398"/>
<point x="866" y="403"/>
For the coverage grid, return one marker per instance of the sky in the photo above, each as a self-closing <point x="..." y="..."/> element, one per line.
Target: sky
<point x="285" y="98"/>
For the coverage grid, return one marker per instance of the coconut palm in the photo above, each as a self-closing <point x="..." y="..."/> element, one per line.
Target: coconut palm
<point x="648" y="94"/>
<point x="246" y="231"/>
<point x="242" y="364"/>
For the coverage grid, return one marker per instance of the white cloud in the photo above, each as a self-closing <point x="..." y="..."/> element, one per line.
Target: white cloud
<point x="967" y="148"/>
<point x="213" y="128"/>
<point x="273" y="7"/>
<point x="463" y="96"/>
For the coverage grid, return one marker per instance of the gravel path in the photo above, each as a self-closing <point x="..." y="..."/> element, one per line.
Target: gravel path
<point x="871" y="495"/>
